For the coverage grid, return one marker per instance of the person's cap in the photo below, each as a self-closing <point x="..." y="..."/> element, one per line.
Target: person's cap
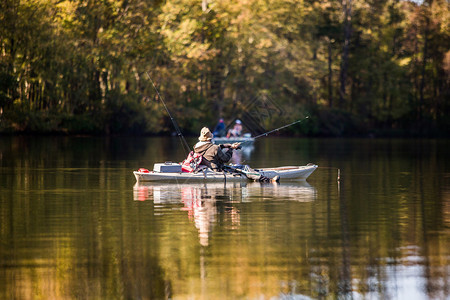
<point x="238" y="121"/>
<point x="205" y="135"/>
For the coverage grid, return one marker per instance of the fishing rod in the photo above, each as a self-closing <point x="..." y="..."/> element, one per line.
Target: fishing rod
<point x="177" y="128"/>
<point x="277" y="129"/>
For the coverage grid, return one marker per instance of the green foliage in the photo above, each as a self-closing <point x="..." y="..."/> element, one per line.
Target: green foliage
<point x="338" y="123"/>
<point x="124" y="114"/>
<point x="79" y="66"/>
<point x="7" y="82"/>
<point x="88" y="123"/>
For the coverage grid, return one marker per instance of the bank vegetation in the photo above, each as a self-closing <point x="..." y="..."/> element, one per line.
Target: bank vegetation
<point x="355" y="67"/>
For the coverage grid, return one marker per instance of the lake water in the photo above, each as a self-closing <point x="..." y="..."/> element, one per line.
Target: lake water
<point x="74" y="225"/>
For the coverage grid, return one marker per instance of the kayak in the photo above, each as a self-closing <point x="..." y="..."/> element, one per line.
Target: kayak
<point x="224" y="140"/>
<point x="172" y="171"/>
<point x="246" y="140"/>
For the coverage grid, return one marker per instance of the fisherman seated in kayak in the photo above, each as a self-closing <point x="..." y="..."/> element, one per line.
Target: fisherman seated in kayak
<point x="215" y="158"/>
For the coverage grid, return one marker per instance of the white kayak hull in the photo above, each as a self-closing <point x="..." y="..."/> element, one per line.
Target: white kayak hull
<point x="285" y="173"/>
<point x="202" y="176"/>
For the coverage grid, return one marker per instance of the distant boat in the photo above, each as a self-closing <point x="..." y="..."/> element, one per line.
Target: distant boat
<point x="246" y="140"/>
<point x="172" y="171"/>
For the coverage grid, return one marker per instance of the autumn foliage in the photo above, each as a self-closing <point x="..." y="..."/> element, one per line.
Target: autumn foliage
<point x="379" y="68"/>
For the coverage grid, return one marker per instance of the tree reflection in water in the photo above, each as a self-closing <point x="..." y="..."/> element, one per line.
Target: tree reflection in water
<point x="70" y="228"/>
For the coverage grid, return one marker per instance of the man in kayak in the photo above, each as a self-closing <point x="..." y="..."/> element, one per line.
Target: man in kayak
<point x="215" y="158"/>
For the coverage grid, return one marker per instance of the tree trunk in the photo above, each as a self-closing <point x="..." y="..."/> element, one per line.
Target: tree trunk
<point x="345" y="51"/>
<point x="424" y="63"/>
<point x="330" y="76"/>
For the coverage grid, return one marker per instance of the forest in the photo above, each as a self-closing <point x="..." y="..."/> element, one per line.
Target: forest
<point x="365" y="68"/>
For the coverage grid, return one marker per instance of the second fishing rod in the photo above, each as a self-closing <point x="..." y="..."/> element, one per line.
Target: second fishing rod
<point x="177" y="128"/>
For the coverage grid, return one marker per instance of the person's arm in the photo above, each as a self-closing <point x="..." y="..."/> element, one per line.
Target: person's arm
<point x="225" y="156"/>
<point x="233" y="146"/>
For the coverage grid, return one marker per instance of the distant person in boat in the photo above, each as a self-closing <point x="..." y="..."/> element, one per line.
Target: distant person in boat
<point x="213" y="156"/>
<point x="236" y="131"/>
<point x="220" y="129"/>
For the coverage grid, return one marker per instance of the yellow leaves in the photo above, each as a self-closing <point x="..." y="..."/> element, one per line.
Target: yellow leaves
<point x="180" y="36"/>
<point x="197" y="51"/>
<point x="404" y="61"/>
<point x="187" y="26"/>
<point x="264" y="43"/>
<point x="184" y="41"/>
<point x="440" y="11"/>
<point x="66" y="7"/>
<point x="182" y="30"/>
<point x="66" y="10"/>
<point x="384" y="48"/>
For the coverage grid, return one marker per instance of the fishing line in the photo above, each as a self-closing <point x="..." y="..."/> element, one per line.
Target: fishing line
<point x="333" y="168"/>
<point x="177" y="128"/>
<point x="276" y="129"/>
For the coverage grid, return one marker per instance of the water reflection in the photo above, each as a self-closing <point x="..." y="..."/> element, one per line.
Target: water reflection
<point x="203" y="201"/>
<point x="300" y="191"/>
<point x="70" y="229"/>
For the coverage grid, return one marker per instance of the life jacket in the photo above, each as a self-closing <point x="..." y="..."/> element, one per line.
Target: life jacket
<point x="192" y="162"/>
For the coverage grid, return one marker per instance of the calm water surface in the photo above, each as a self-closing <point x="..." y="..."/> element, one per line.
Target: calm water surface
<point x="75" y="225"/>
